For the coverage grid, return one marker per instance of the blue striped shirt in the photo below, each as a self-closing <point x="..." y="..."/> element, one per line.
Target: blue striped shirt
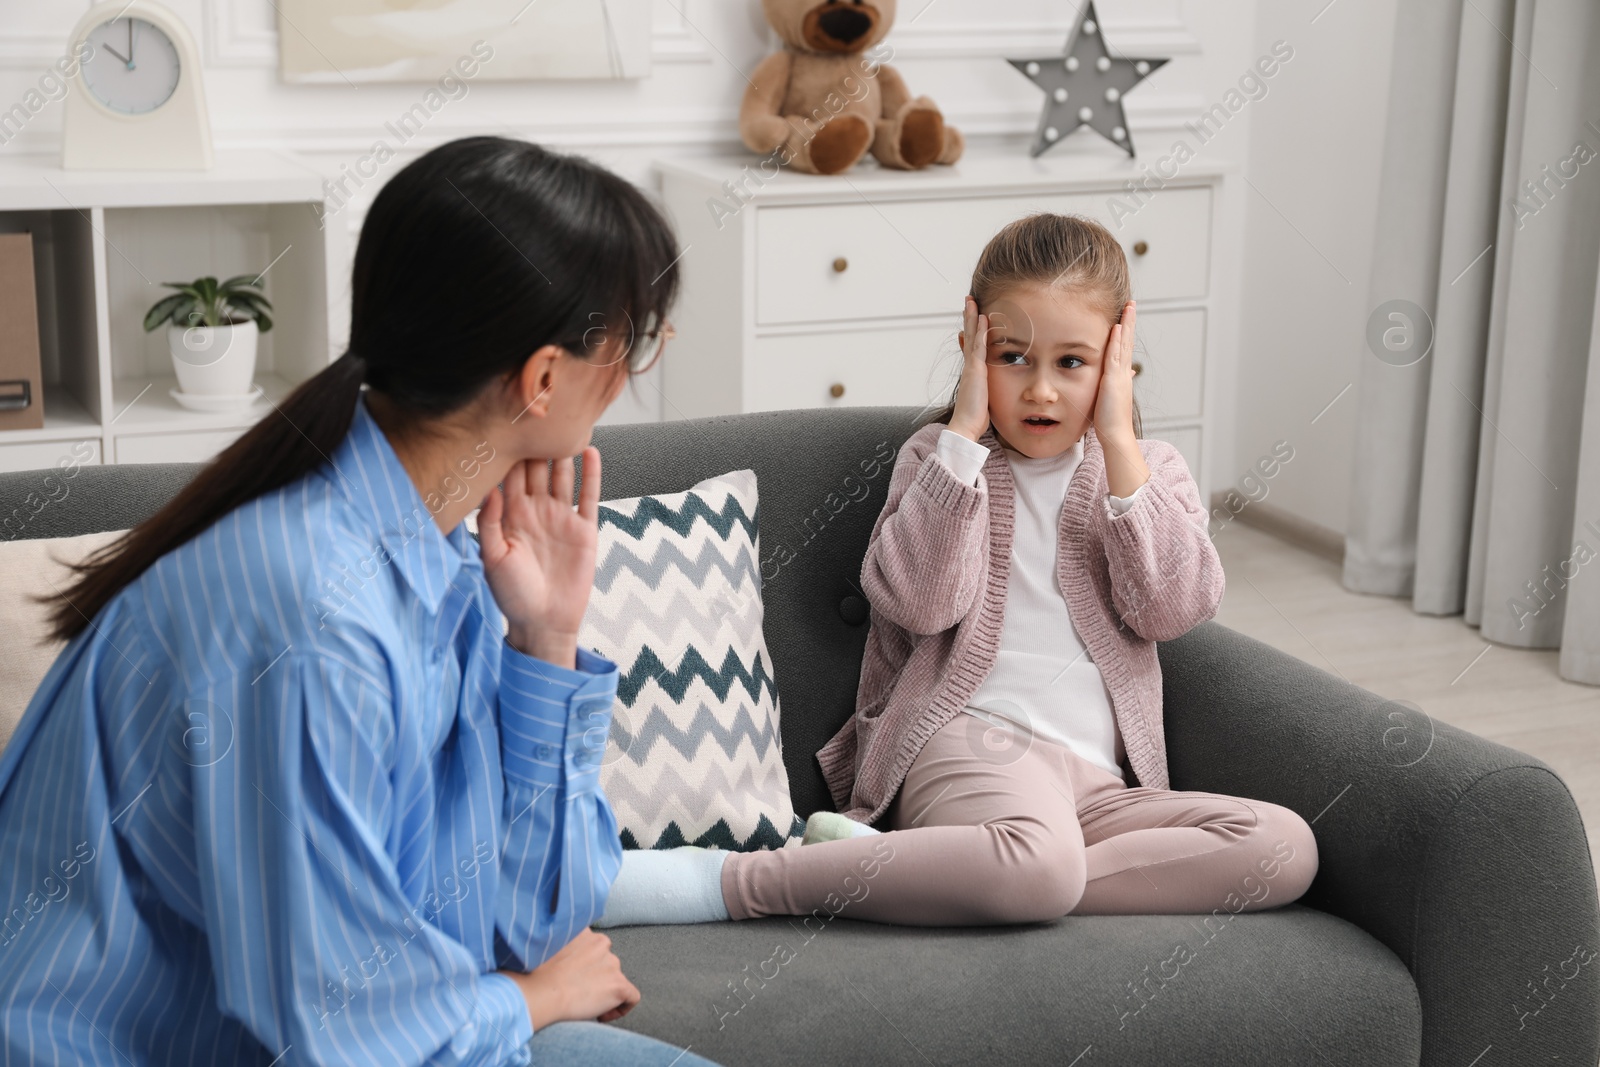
<point x="292" y="798"/>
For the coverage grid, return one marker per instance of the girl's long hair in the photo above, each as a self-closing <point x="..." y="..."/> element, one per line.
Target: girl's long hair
<point x="1072" y="252"/>
<point x="471" y="258"/>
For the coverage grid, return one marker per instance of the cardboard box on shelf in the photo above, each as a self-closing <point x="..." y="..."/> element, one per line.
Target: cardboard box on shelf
<point x="21" y="387"/>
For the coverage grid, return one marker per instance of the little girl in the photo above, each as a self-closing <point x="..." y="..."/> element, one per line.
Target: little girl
<point x="1032" y="551"/>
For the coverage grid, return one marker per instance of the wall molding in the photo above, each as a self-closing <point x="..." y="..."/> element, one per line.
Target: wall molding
<point x="32" y="49"/>
<point x="980" y="40"/>
<point x="1153" y="124"/>
<point x="230" y="41"/>
<point x="1158" y="115"/>
<point x="678" y="41"/>
<point x="243" y="34"/>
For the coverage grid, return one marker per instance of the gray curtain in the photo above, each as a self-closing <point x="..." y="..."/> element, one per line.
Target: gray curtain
<point x="1477" y="461"/>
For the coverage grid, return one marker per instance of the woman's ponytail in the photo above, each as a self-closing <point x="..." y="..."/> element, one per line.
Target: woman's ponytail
<point x="446" y="295"/>
<point x="295" y="440"/>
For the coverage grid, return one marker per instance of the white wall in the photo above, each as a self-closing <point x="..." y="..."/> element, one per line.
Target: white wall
<point x="1308" y="232"/>
<point x="953" y="50"/>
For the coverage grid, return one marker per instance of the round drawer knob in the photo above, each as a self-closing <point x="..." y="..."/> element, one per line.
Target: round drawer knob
<point x="841" y="265"/>
<point x="1137" y="367"/>
<point x="836" y="390"/>
<point x="1140" y="247"/>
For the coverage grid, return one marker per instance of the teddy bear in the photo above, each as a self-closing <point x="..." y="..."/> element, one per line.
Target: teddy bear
<point x="822" y="102"/>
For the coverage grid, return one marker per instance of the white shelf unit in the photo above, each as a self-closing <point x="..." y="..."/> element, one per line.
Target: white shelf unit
<point x="808" y="291"/>
<point x="105" y="241"/>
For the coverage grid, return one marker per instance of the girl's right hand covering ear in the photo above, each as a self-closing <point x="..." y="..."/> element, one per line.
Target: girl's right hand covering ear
<point x="971" y="417"/>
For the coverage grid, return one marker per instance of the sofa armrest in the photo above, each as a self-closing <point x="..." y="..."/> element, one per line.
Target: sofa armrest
<point x="1466" y="858"/>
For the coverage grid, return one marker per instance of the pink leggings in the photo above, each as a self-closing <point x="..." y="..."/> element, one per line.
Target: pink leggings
<point x="1028" y="834"/>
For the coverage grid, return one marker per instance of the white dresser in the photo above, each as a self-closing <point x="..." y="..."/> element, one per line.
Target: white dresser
<point x="809" y="291"/>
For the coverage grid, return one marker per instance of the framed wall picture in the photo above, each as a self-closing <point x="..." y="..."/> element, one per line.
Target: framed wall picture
<point x="354" y="41"/>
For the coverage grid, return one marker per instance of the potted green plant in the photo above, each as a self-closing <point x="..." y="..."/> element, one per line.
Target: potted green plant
<point x="212" y="329"/>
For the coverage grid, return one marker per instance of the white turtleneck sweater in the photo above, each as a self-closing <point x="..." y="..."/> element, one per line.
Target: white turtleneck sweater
<point x="1043" y="679"/>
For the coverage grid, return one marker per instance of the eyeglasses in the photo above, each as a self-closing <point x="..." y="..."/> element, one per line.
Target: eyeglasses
<point x="655" y="342"/>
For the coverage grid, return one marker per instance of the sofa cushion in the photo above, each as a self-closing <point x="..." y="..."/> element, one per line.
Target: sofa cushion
<point x="1287" y="986"/>
<point x="818" y="506"/>
<point x="30" y="568"/>
<point x="694" y="755"/>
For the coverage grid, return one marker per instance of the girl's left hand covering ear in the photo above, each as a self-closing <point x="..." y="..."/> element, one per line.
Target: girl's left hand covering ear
<point x="1113" y="409"/>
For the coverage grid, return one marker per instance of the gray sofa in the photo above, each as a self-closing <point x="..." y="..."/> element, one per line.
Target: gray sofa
<point x="1450" y="922"/>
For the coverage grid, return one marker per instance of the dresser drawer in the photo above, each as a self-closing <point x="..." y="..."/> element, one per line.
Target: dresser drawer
<point x="174" y="447"/>
<point x="1170" y="349"/>
<point x="868" y="366"/>
<point x="851" y="261"/>
<point x="1174" y="228"/>
<point x="39" y="455"/>
<point x="899" y="258"/>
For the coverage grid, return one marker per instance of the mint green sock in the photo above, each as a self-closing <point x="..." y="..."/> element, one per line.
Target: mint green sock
<point x="831" y="826"/>
<point x="669" y="885"/>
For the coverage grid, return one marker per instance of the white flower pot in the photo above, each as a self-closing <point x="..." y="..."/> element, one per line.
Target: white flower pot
<point x="214" y="360"/>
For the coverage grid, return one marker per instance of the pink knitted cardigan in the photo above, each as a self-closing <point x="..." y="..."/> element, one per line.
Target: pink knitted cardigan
<point x="935" y="576"/>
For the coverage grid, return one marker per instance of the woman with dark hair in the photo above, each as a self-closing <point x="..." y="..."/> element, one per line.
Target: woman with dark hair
<point x="316" y="777"/>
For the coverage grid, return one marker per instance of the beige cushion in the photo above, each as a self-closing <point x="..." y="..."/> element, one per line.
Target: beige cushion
<point x="28" y="568"/>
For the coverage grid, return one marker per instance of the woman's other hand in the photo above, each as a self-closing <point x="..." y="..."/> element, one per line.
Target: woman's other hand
<point x="582" y="982"/>
<point x="539" y="553"/>
<point x="971" y="417"/>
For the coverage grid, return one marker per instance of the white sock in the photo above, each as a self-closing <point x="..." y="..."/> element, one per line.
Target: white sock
<point x="669" y="885"/>
<point x="831" y="826"/>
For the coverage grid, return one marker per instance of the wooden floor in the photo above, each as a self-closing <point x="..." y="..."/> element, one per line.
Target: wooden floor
<point x="1292" y="600"/>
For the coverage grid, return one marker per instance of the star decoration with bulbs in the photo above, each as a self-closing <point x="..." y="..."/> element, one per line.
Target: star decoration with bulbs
<point x="1084" y="86"/>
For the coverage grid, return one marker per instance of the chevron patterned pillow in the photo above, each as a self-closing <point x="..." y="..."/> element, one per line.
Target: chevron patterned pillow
<point x="694" y="756"/>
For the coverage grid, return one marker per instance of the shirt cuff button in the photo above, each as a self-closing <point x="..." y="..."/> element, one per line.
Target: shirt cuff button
<point x="593" y="736"/>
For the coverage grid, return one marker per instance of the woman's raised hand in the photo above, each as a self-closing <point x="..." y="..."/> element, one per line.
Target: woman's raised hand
<point x="539" y="553"/>
<point x="582" y="982"/>
<point x="971" y="417"/>
<point x="1113" y="409"/>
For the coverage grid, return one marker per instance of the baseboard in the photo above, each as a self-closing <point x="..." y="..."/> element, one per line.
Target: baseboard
<point x="1286" y="526"/>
